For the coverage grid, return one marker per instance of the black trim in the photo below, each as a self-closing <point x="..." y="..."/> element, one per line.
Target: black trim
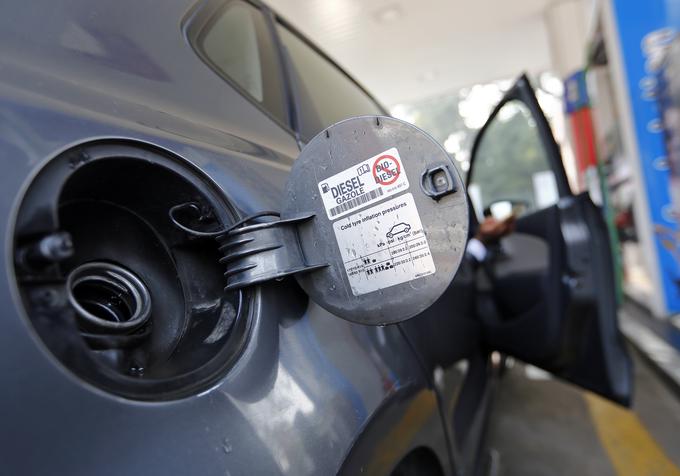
<point x="300" y="35"/>
<point x="284" y="65"/>
<point x="200" y="14"/>
<point x="195" y="22"/>
<point x="288" y="70"/>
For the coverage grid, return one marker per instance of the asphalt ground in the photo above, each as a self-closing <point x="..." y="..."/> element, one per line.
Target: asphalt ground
<point x="544" y="427"/>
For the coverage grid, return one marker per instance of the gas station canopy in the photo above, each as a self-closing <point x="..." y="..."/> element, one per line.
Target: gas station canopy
<point x="424" y="48"/>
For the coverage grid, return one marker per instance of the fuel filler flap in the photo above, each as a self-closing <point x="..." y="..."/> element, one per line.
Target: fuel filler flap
<point x="389" y="219"/>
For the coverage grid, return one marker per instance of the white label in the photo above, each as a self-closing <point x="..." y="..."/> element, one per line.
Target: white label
<point x="384" y="245"/>
<point x="364" y="183"/>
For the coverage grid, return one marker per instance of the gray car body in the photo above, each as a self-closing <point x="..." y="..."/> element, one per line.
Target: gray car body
<point x="310" y="393"/>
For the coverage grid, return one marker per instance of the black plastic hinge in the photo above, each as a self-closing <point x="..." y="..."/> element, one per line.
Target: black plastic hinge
<point x="264" y="251"/>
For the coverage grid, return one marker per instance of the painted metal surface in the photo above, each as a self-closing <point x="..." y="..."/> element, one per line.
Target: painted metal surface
<point x="311" y="393"/>
<point x="307" y="383"/>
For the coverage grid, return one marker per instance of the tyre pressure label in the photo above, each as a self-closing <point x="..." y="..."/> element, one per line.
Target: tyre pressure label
<point x="366" y="182"/>
<point x="384" y="245"/>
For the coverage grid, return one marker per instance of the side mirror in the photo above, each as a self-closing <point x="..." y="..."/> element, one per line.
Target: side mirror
<point x="502" y="209"/>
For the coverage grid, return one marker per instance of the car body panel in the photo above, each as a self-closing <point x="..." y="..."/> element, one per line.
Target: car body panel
<point x="306" y="379"/>
<point x="310" y="393"/>
<point x="307" y="383"/>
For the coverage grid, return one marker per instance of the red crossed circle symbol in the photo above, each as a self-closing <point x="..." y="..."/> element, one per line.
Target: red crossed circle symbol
<point x="375" y="169"/>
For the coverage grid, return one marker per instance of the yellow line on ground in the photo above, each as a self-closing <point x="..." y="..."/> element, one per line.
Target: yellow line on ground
<point x="395" y="443"/>
<point x="629" y="446"/>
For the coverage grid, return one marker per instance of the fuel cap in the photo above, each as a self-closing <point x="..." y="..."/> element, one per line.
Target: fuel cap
<point x="389" y="219"/>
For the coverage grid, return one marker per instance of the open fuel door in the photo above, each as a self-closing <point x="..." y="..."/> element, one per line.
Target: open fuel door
<point x="549" y="297"/>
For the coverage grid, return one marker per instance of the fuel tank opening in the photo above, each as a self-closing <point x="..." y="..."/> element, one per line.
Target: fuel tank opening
<point x="119" y="295"/>
<point x="108" y="297"/>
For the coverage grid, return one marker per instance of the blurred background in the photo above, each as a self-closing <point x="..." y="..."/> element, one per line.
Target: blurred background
<point x="604" y="76"/>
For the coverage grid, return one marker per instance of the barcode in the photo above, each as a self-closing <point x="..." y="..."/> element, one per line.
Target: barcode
<point x="355" y="202"/>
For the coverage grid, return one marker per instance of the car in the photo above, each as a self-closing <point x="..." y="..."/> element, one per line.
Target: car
<point x="125" y="124"/>
<point x="398" y="229"/>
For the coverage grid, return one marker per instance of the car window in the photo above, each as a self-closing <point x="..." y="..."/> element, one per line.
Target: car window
<point x="324" y="93"/>
<point x="511" y="172"/>
<point x="236" y="43"/>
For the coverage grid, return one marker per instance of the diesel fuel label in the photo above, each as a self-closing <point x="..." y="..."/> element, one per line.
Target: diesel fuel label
<point x="364" y="183"/>
<point x="384" y="245"/>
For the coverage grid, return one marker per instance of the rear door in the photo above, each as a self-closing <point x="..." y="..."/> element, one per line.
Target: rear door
<point x="547" y="292"/>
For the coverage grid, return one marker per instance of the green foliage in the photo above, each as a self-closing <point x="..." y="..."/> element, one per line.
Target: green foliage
<point x="509" y="154"/>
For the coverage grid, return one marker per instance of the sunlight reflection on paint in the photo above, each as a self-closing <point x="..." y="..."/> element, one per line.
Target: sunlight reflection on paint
<point x="274" y="421"/>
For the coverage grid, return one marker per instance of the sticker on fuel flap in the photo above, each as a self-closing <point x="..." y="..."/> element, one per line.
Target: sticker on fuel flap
<point x="384" y="245"/>
<point x="366" y="182"/>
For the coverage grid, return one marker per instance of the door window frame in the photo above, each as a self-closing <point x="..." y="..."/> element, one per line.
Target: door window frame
<point x="199" y="18"/>
<point x="522" y="91"/>
<point x="288" y="72"/>
<point x="204" y="11"/>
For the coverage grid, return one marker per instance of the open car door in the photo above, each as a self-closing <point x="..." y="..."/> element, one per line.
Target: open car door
<point x="550" y="295"/>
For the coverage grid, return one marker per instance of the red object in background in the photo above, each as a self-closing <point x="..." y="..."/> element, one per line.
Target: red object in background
<point x="582" y="130"/>
<point x="583" y="135"/>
